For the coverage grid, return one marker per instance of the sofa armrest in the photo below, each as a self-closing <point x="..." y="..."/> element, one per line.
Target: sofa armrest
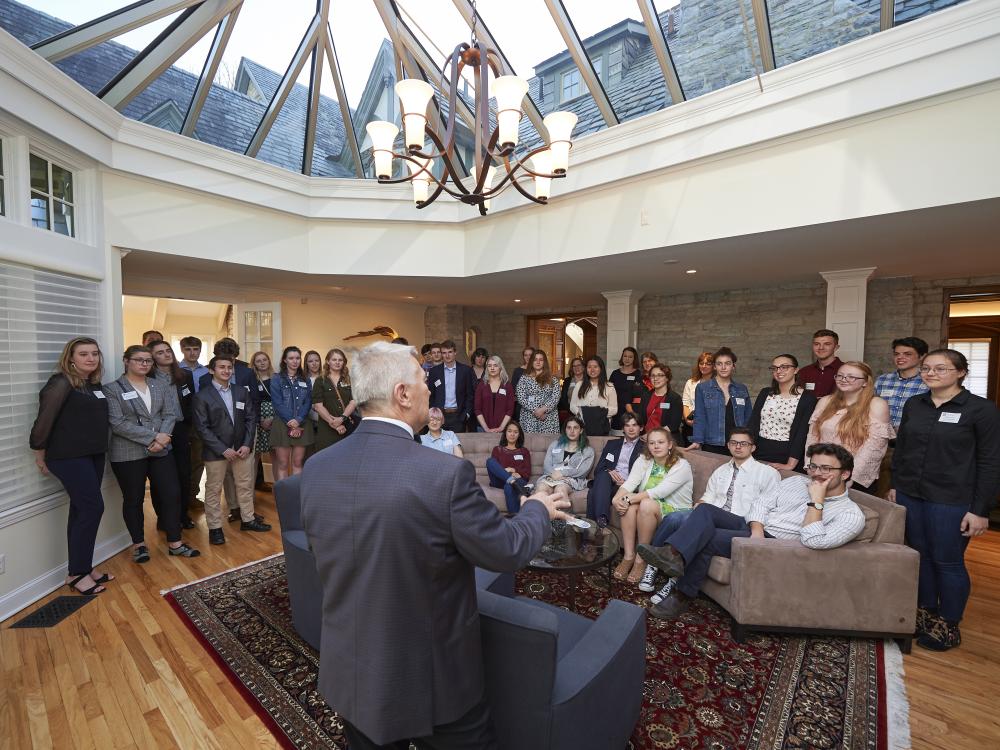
<point x="862" y="586"/>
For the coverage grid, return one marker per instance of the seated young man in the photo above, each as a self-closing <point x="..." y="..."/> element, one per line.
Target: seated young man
<point x="734" y="487"/>
<point x="613" y="468"/>
<point x="815" y="510"/>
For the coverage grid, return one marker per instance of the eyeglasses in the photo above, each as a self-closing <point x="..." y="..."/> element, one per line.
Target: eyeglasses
<point x="849" y="378"/>
<point x="782" y="368"/>
<point x="937" y="369"/>
<point x="739" y="444"/>
<point x="657" y="375"/>
<point x="141" y="361"/>
<point x="820" y="469"/>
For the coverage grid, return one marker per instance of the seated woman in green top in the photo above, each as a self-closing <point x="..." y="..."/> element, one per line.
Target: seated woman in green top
<point x="332" y="400"/>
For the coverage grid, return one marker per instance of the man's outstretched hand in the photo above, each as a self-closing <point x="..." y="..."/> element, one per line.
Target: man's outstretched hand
<point x="554" y="504"/>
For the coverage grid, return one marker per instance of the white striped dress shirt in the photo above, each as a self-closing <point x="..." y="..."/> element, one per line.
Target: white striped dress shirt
<point x="782" y="514"/>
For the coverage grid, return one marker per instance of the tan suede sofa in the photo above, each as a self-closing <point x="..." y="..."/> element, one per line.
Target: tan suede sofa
<point x="867" y="588"/>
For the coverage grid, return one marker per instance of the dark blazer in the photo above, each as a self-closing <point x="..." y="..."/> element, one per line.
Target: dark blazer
<point x="242" y="375"/>
<point x="800" y="423"/>
<point x="669" y="418"/>
<point x="397" y="530"/>
<point x="218" y="432"/>
<point x="613" y="448"/>
<point x="465" y="387"/>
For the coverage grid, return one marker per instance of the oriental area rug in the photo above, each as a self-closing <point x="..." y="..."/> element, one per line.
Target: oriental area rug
<point x="702" y="691"/>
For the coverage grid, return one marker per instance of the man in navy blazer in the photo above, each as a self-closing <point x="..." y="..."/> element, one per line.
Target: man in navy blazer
<point x="613" y="468"/>
<point x="397" y="531"/>
<point x="453" y="389"/>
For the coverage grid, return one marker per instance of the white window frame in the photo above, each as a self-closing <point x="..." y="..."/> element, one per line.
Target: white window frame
<point x="241" y="335"/>
<point x="4" y="176"/>
<point x="562" y="85"/>
<point x="979" y="368"/>
<point x="50" y="197"/>
<point x="598" y="63"/>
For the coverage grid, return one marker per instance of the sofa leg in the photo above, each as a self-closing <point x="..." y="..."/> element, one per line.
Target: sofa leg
<point x="739" y="632"/>
<point x="905" y="644"/>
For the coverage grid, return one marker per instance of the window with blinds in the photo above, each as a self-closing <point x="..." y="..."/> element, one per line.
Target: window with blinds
<point x="977" y="351"/>
<point x="39" y="312"/>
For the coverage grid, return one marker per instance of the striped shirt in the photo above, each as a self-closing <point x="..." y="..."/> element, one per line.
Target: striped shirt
<point x="897" y="391"/>
<point x="782" y="513"/>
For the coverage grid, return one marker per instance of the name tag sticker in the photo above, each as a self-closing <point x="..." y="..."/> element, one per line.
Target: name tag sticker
<point x="518" y="457"/>
<point x="303" y="385"/>
<point x="98" y="394"/>
<point x="810" y="386"/>
<point x="502" y="391"/>
<point x="437" y="383"/>
<point x="185" y="391"/>
<point x="951" y="417"/>
<point x="240" y="405"/>
<point x="260" y="387"/>
<point x="557" y="450"/>
<point x="609" y="457"/>
<point x="129" y="395"/>
<point x="740" y="402"/>
<point x="630" y="377"/>
<point x="665" y="405"/>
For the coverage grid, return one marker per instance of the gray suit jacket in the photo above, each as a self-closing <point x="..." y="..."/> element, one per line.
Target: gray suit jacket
<point x="219" y="432"/>
<point x="133" y="427"/>
<point x="397" y="530"/>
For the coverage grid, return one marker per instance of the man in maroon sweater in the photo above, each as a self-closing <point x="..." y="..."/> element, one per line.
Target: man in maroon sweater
<point x="818" y="377"/>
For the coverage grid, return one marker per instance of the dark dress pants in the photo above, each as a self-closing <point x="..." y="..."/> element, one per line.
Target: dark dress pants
<point x="707" y="532"/>
<point x="600" y="495"/>
<point x="473" y="731"/>
<point x="454" y="421"/>
<point x="81" y="477"/>
<point x="180" y="450"/>
<point x="162" y="474"/>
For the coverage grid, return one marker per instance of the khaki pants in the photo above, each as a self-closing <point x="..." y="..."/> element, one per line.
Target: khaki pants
<point x="241" y="470"/>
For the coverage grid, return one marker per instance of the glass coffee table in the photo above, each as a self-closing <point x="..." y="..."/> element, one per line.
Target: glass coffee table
<point x="575" y="550"/>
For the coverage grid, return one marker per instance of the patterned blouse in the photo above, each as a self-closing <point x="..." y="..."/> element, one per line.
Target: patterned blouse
<point x="867" y="458"/>
<point x="777" y="416"/>
<point x="531" y="395"/>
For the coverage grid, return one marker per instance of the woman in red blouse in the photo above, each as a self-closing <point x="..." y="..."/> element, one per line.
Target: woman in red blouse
<point x="495" y="398"/>
<point x="661" y="406"/>
<point x="510" y="465"/>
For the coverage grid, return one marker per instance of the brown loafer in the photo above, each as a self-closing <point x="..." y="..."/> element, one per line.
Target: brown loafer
<point x="666" y="558"/>
<point x="672" y="607"/>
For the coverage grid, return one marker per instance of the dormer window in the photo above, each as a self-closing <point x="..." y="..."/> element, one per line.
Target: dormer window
<point x="572" y="86"/>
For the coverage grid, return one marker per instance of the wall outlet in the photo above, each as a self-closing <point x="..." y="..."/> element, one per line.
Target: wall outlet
<point x="3" y="564"/>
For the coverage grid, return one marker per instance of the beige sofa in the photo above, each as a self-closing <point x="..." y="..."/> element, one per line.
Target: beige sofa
<point x="865" y="588"/>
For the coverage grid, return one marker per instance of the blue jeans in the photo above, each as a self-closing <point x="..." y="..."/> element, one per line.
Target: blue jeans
<point x="498" y="478"/>
<point x="932" y="529"/>
<point x="670" y="523"/>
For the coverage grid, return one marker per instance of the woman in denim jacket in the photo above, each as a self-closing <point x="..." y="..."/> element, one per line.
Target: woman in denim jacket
<point x="291" y="431"/>
<point x="719" y="405"/>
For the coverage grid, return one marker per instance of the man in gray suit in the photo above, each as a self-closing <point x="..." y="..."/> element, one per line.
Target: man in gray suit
<point x="397" y="530"/>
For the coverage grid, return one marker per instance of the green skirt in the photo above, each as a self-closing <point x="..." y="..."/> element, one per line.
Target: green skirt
<point x="280" y="439"/>
<point x="326" y="436"/>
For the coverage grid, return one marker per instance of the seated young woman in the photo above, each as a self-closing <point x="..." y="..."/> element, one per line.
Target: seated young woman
<point x="660" y="482"/>
<point x="509" y="466"/>
<point x="445" y="441"/>
<point x="567" y="461"/>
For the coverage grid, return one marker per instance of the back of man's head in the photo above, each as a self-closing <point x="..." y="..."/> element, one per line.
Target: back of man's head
<point x="226" y="347"/>
<point x="378" y="368"/>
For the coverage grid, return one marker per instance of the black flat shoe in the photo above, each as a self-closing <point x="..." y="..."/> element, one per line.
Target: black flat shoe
<point x="254" y="525"/>
<point x="215" y="536"/>
<point x="183" y="551"/>
<point x="140" y="554"/>
<point x="97" y="588"/>
<point x="187" y="523"/>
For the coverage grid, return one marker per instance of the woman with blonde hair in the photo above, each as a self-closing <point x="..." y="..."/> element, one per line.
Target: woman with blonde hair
<point x="704" y="369"/>
<point x="262" y="368"/>
<point x="659" y="483"/>
<point x="855" y="418"/>
<point x="70" y="440"/>
<point x="495" y="398"/>
<point x="333" y="400"/>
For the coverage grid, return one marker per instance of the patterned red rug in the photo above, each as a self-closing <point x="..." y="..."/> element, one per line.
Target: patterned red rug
<point x="703" y="691"/>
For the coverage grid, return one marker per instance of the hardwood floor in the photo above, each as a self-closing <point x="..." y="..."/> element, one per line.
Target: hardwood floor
<point x="124" y="672"/>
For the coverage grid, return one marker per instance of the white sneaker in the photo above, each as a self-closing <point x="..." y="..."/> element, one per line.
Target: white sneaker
<point x="664" y="591"/>
<point x="648" y="579"/>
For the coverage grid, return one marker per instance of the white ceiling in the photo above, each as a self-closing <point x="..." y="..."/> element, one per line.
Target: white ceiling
<point x="941" y="242"/>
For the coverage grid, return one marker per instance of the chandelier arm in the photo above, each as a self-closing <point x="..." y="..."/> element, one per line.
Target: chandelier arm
<point x="521" y="164"/>
<point x="517" y="185"/>
<point x="446" y="155"/>
<point x="455" y="61"/>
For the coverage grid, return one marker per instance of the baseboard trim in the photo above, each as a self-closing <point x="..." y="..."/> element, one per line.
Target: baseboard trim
<point x="30" y="592"/>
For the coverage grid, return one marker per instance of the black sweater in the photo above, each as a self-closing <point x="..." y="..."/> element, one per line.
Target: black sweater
<point x="72" y="422"/>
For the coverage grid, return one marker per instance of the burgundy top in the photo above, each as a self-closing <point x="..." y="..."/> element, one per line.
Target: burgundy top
<point x="506" y="458"/>
<point x="494" y="406"/>
<point x="819" y="381"/>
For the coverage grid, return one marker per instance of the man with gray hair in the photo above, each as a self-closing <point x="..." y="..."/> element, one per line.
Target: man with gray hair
<point x="397" y="530"/>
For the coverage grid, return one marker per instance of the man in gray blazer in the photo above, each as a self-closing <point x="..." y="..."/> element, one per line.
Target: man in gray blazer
<point x="397" y="530"/>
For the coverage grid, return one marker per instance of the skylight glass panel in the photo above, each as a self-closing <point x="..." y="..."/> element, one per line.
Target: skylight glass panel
<point x="803" y="28"/>
<point x="909" y="10"/>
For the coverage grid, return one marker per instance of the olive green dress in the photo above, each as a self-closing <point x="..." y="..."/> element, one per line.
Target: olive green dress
<point x="324" y="392"/>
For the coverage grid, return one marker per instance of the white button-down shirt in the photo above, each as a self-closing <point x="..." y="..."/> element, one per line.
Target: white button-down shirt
<point x="753" y="480"/>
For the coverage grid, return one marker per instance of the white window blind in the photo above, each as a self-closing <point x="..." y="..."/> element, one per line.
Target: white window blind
<point x="39" y="312"/>
<point x="977" y="351"/>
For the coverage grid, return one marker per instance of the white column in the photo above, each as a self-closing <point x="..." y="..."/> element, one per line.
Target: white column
<point x="623" y="320"/>
<point x="846" y="302"/>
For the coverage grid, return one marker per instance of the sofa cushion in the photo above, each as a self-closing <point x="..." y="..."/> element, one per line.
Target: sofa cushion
<point x="719" y="570"/>
<point x="871" y="524"/>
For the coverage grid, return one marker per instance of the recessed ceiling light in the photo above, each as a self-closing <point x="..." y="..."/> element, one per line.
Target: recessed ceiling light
<point x="558" y="320"/>
<point x="409" y="297"/>
<point x="670" y="262"/>
<point x="338" y="288"/>
<point x="691" y="270"/>
<point x="517" y="300"/>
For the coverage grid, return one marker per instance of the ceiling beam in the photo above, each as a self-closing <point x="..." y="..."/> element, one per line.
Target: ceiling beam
<point x="763" y="24"/>
<point x="164" y="51"/>
<point x="575" y="47"/>
<point x="209" y="71"/>
<point x="315" y="80"/>
<point x="345" y="109"/>
<point x="106" y="27"/>
<point x="309" y="41"/>
<point x="659" y="41"/>
<point x="887" y="15"/>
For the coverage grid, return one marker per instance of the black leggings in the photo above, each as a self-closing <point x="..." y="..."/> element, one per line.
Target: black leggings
<point x="162" y="473"/>
<point x="81" y="477"/>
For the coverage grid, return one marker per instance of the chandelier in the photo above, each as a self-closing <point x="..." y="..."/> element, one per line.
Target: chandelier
<point x="494" y="147"/>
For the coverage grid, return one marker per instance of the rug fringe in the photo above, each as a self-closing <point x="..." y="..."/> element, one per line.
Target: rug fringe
<point x="897" y="706"/>
<point x="164" y="592"/>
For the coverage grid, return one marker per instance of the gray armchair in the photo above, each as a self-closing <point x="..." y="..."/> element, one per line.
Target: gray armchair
<point x="555" y="679"/>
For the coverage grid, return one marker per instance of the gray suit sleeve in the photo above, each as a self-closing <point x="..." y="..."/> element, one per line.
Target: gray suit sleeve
<point x="122" y="420"/>
<point x="171" y="408"/>
<point x="487" y="539"/>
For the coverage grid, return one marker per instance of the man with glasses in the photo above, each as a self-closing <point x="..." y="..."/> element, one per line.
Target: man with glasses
<point x="733" y="487"/>
<point x="897" y="387"/>
<point x="815" y="510"/>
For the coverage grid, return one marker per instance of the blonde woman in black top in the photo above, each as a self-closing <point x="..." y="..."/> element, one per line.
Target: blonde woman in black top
<point x="70" y="439"/>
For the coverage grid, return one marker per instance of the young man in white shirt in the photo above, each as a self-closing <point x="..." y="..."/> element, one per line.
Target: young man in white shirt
<point x="817" y="511"/>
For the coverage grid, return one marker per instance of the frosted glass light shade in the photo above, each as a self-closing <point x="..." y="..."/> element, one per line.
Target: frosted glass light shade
<point x="421" y="180"/>
<point x="560" y="126"/>
<point x="383" y="135"/>
<point x="509" y="92"/>
<point x="542" y="163"/>
<point x="414" y="96"/>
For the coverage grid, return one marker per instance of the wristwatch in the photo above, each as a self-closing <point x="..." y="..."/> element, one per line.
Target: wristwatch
<point x="817" y="506"/>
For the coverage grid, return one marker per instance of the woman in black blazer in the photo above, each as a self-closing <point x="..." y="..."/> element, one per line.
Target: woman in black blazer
<point x="181" y="382"/>
<point x="70" y="440"/>
<point x="780" y="418"/>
